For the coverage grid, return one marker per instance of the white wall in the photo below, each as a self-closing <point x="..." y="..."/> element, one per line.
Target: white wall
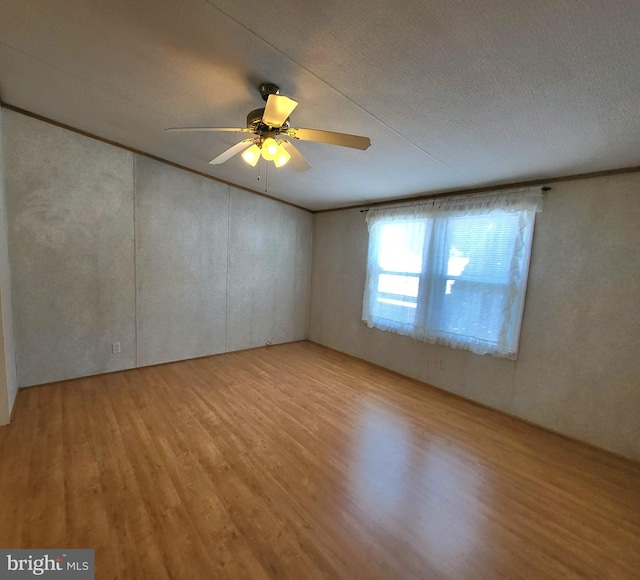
<point x="70" y="204"/>
<point x="217" y="268"/>
<point x="268" y="292"/>
<point x="578" y="370"/>
<point x="8" y="380"/>
<point x="182" y="223"/>
<point x="109" y="246"/>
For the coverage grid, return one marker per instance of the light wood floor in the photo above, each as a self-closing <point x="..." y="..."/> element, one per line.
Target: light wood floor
<point x="295" y="461"/>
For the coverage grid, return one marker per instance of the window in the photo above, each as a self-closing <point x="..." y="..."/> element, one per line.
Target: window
<point x="452" y="271"/>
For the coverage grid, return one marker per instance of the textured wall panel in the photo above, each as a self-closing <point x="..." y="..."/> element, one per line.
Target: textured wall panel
<point x="8" y="379"/>
<point x="70" y="203"/>
<point x="110" y="247"/>
<point x="262" y="297"/>
<point x="577" y="371"/>
<point x="304" y="236"/>
<point x="182" y="223"/>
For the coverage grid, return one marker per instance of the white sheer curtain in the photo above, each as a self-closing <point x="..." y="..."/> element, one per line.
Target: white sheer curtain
<point x="452" y="270"/>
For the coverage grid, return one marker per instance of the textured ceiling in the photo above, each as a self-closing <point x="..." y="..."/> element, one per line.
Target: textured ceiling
<point x="454" y="94"/>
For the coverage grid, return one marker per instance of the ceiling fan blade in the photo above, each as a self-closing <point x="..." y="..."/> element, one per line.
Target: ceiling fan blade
<point x="227" y="129"/>
<point x="229" y="153"/>
<point x="278" y="110"/>
<point x="297" y="161"/>
<point x="330" y="137"/>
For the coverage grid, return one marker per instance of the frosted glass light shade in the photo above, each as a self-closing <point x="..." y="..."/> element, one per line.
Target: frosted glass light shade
<point x="270" y="149"/>
<point x="252" y="155"/>
<point x="282" y="157"/>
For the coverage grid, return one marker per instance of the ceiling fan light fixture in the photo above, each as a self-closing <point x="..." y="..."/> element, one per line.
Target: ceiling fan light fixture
<point x="270" y="148"/>
<point x="282" y="157"/>
<point x="270" y="123"/>
<point x="252" y="155"/>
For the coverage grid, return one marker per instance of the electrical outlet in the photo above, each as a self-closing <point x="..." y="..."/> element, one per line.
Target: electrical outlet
<point x="440" y="364"/>
<point x="115" y="348"/>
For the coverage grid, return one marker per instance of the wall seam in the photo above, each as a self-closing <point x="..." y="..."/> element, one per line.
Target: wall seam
<point x="226" y="285"/>
<point x="295" y="313"/>
<point x="307" y="324"/>
<point x="135" y="255"/>
<point x="311" y="285"/>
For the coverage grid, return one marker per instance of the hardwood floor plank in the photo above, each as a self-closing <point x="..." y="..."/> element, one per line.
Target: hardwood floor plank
<point x="296" y="461"/>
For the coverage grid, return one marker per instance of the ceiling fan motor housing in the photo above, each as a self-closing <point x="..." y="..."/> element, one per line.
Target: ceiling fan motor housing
<point x="254" y="122"/>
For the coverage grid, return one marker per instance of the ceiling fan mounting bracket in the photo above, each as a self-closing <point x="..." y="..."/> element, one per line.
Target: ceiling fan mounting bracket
<point x="267" y="89"/>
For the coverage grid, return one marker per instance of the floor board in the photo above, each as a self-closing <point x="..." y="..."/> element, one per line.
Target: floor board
<point x="295" y="461"/>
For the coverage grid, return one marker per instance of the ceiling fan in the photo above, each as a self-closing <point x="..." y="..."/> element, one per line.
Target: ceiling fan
<point x="270" y="131"/>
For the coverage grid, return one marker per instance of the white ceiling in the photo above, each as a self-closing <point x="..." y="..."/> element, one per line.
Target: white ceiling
<point x="454" y="94"/>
